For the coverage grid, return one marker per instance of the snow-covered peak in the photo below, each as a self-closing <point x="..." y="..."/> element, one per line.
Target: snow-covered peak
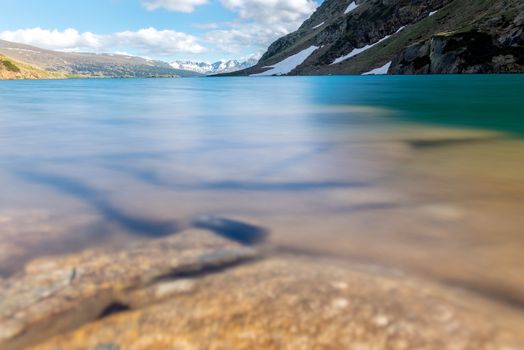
<point x="222" y="66"/>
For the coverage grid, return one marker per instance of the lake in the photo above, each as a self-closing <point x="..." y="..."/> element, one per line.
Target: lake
<point x="421" y="174"/>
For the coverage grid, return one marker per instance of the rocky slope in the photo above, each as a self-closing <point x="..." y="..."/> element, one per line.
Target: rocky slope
<point x="89" y="64"/>
<point x="402" y="37"/>
<point x="218" y="67"/>
<point x="11" y="69"/>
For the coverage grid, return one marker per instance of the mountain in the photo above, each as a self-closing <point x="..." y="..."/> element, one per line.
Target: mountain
<point x="90" y="64"/>
<point x="11" y="69"/>
<point x="402" y="37"/>
<point x="214" y="68"/>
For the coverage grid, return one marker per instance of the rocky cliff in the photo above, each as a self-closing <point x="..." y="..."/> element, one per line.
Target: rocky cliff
<point x="402" y="37"/>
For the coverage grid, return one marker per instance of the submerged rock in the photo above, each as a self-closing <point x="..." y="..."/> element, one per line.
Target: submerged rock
<point x="238" y="231"/>
<point x="291" y="303"/>
<point x="188" y="291"/>
<point x="55" y="295"/>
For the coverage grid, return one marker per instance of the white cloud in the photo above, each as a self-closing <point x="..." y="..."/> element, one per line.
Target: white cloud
<point x="257" y="24"/>
<point x="242" y="36"/>
<point x="173" y="5"/>
<point x="272" y="12"/>
<point x="145" y="41"/>
<point x="156" y="41"/>
<point x="260" y="22"/>
<point x="212" y="25"/>
<point x="55" y="39"/>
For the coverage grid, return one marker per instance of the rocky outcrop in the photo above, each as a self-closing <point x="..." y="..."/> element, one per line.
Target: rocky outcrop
<point x="494" y="45"/>
<point x="409" y="37"/>
<point x="468" y="52"/>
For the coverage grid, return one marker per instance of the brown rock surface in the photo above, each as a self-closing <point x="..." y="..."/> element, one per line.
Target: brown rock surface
<point x="298" y="303"/>
<point x="55" y="295"/>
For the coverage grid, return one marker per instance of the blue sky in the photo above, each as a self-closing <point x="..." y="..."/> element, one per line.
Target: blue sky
<point x="205" y="30"/>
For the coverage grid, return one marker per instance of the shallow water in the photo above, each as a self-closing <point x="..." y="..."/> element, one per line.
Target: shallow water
<point x="423" y="174"/>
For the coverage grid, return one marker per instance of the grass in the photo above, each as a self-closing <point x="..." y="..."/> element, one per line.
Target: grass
<point x="9" y="65"/>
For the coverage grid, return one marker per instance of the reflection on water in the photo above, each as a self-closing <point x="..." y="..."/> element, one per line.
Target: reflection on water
<point x="99" y="203"/>
<point x="423" y="174"/>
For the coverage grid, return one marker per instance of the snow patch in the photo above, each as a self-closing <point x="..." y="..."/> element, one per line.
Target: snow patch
<point x="287" y="65"/>
<point x="378" y="71"/>
<point x="355" y="52"/>
<point x="21" y="50"/>
<point x="400" y="29"/>
<point x="351" y="7"/>
<point x="319" y="25"/>
<point x="432" y="13"/>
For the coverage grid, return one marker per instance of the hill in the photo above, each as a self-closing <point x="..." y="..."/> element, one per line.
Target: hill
<point x="11" y="69"/>
<point x="90" y="64"/>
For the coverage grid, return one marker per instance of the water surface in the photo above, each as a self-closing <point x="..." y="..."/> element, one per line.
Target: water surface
<point x="424" y="174"/>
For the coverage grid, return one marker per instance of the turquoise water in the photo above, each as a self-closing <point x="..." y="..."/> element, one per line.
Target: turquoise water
<point x="342" y="165"/>
<point x="120" y="118"/>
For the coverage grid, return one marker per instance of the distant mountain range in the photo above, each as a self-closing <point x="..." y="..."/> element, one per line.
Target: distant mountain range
<point x="214" y="68"/>
<point x="402" y="37"/>
<point x="89" y="64"/>
<point x="47" y="63"/>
